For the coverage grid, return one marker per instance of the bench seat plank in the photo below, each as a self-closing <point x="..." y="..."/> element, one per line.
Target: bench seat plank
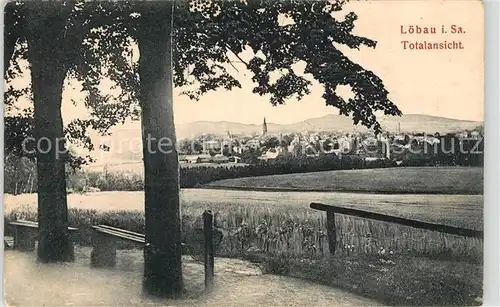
<point x="120" y="230"/>
<point x="105" y="237"/>
<point x="123" y="235"/>
<point x="31" y="224"/>
<point x="103" y="228"/>
<point x="25" y="234"/>
<point x="24" y="223"/>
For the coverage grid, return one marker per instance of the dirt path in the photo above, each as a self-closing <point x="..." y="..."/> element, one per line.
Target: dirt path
<point x="238" y="283"/>
<point x="268" y="290"/>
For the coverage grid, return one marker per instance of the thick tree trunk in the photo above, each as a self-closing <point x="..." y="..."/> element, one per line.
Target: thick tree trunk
<point x="53" y="244"/>
<point x="46" y="55"/>
<point x="162" y="254"/>
<point x="10" y="35"/>
<point x="8" y="50"/>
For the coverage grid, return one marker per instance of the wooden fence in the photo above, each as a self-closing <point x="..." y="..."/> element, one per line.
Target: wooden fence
<point x="332" y="232"/>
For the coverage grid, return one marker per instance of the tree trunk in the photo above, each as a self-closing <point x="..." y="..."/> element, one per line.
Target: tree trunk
<point x="10" y="35"/>
<point x="8" y="51"/>
<point x="46" y="49"/>
<point x="162" y="254"/>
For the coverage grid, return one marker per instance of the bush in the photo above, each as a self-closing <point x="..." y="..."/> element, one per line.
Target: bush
<point x="277" y="264"/>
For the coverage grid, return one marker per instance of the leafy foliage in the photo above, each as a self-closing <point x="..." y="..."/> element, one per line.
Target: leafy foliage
<point x="100" y="38"/>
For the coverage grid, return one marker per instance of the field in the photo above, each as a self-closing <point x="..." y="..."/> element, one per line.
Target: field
<point x="392" y="264"/>
<point x="273" y="212"/>
<point x="403" y="180"/>
<point x="454" y="210"/>
<point x="374" y="259"/>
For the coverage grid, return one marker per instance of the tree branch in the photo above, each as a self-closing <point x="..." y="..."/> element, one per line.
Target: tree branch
<point x="239" y="58"/>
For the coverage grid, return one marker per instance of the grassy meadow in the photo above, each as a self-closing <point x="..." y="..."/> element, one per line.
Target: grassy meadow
<point x="290" y="227"/>
<point x="397" y="180"/>
<point x="393" y="264"/>
<point x="396" y="265"/>
<point x="455" y="210"/>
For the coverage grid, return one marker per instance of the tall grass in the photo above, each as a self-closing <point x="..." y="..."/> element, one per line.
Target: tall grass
<point x="298" y="233"/>
<point x="302" y="232"/>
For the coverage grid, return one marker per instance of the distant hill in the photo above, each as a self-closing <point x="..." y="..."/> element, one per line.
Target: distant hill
<point x="407" y="123"/>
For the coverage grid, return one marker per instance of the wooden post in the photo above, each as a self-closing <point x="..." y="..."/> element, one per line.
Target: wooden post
<point x="103" y="250"/>
<point x="331" y="231"/>
<point x="209" y="250"/>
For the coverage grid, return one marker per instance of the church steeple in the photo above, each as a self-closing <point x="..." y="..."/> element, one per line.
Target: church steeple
<point x="264" y="127"/>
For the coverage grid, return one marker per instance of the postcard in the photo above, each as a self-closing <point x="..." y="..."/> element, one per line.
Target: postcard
<point x="243" y="153"/>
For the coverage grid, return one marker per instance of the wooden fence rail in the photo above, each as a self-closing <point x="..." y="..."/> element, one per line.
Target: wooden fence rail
<point x="332" y="233"/>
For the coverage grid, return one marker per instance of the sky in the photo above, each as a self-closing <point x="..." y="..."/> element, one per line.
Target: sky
<point x="447" y="83"/>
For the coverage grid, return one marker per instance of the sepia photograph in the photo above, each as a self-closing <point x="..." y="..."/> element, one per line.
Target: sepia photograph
<point x="243" y="153"/>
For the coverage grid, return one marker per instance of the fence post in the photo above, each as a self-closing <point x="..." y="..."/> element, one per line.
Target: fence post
<point x="209" y="250"/>
<point x="331" y="231"/>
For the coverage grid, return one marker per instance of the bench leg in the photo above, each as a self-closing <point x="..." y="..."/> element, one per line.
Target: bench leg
<point x="72" y="251"/>
<point x="103" y="251"/>
<point x="24" y="239"/>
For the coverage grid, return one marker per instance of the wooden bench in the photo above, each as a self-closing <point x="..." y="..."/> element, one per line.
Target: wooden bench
<point x="105" y="239"/>
<point x="25" y="234"/>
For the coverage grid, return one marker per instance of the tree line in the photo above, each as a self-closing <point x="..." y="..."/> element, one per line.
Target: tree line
<point x="20" y="172"/>
<point x="190" y="177"/>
